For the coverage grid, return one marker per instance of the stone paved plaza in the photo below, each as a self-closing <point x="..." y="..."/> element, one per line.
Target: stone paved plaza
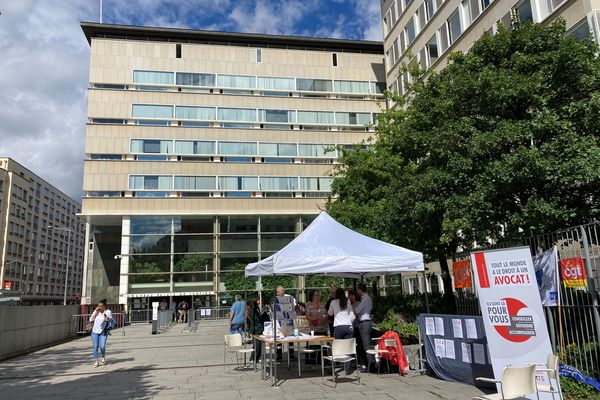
<point x="182" y="365"/>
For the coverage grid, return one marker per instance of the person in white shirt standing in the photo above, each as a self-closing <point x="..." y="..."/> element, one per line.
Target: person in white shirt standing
<point x="101" y="317"/>
<point x="363" y="311"/>
<point x="343" y="316"/>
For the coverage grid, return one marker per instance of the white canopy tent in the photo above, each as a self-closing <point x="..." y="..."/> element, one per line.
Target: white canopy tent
<point x="327" y="247"/>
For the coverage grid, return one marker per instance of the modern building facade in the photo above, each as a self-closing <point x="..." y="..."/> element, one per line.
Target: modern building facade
<point x="427" y="31"/>
<point x="41" y="238"/>
<point x="208" y="150"/>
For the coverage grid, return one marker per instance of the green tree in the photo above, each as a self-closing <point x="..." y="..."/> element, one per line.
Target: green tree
<point x="501" y="144"/>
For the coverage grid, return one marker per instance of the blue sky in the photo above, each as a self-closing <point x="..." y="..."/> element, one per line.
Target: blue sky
<point x="353" y="19"/>
<point x="44" y="61"/>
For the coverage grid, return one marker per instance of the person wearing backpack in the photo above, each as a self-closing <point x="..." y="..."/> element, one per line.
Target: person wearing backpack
<point x="103" y="323"/>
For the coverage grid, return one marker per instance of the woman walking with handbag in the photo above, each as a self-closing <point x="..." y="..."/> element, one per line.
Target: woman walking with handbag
<point x="102" y="319"/>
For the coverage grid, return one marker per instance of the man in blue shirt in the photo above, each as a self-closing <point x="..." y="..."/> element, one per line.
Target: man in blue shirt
<point x="237" y="315"/>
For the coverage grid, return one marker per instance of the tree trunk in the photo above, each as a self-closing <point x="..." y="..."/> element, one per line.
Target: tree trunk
<point x="448" y="294"/>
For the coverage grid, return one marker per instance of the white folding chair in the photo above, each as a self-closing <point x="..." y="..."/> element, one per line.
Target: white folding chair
<point x="516" y="383"/>
<point x="551" y="369"/>
<point x="234" y="344"/>
<point x="342" y="351"/>
<point x="377" y="353"/>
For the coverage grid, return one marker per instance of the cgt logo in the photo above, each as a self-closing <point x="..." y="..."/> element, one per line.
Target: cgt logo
<point x="573" y="272"/>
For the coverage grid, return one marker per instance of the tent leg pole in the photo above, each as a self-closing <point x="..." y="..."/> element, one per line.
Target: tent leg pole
<point x="425" y="290"/>
<point x="275" y="383"/>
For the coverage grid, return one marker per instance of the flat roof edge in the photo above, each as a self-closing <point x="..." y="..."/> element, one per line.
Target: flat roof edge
<point x="93" y="29"/>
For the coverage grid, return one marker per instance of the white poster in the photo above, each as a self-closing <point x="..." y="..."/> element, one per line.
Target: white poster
<point x="471" y="328"/>
<point x="450" y="353"/>
<point x="440" y="348"/>
<point x="512" y="312"/>
<point x="457" y="328"/>
<point x="466" y="352"/>
<point x="439" y="326"/>
<point x="429" y="326"/>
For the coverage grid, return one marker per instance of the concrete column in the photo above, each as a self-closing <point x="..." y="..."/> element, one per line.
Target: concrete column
<point x="124" y="264"/>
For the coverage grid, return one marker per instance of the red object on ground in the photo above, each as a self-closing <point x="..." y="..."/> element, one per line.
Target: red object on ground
<point x="396" y="355"/>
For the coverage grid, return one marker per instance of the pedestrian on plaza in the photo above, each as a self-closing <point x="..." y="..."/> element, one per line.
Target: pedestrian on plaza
<point x="280" y="292"/>
<point x="102" y="320"/>
<point x="174" y="311"/>
<point x="237" y="315"/>
<point x="183" y="311"/>
<point x="363" y="312"/>
<point x="354" y="299"/>
<point x="163" y="305"/>
<point x="343" y="316"/>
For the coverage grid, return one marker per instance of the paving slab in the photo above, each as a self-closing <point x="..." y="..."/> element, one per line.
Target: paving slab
<point x="181" y="365"/>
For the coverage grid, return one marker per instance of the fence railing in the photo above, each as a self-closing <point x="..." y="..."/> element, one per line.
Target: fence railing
<point x="139" y="316"/>
<point x="79" y="321"/>
<point x="574" y="327"/>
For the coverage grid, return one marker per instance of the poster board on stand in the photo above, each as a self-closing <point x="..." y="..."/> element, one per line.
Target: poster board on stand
<point x="512" y="311"/>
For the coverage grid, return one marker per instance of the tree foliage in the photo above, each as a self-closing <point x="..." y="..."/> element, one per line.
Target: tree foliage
<point x="502" y="144"/>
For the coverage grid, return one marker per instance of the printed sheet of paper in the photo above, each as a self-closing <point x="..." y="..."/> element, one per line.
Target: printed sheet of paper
<point x="439" y="326"/>
<point x="450" y="353"/>
<point x="466" y="353"/>
<point x="440" y="348"/>
<point x="457" y="328"/>
<point x="471" y="328"/>
<point x="478" y="353"/>
<point x="429" y="326"/>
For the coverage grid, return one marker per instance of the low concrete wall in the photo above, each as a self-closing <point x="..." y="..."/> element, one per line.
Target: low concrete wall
<point x="26" y="328"/>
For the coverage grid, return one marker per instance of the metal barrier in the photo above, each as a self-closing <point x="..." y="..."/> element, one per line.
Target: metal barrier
<point x="574" y="328"/>
<point x="217" y="316"/>
<point x="139" y="316"/>
<point x="79" y="321"/>
<point x="165" y="319"/>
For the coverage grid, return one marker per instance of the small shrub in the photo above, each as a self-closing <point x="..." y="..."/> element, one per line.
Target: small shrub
<point x="573" y="390"/>
<point x="407" y="331"/>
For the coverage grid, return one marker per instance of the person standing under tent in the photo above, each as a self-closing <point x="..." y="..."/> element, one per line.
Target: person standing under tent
<point x="363" y="314"/>
<point x="343" y="316"/>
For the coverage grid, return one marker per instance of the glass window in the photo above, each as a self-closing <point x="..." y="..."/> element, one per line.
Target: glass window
<point x="154" y="77"/>
<point x="377" y="87"/>
<point x="431" y="8"/>
<point x="150" y="182"/>
<point x="485" y="4"/>
<point x="195" y="113"/>
<point x="278" y="183"/>
<point x="270" y="83"/>
<point x="190" y="79"/>
<point x="316" y="150"/>
<point x="315" y="117"/>
<point x="314" y="85"/>
<point x="151" y="111"/>
<point x="325" y="184"/>
<point x="523" y="11"/>
<point x="258" y="55"/>
<point x="238" y="224"/>
<point x="237" y="148"/>
<point x="195" y="182"/>
<point x="148" y="264"/>
<point x="553" y="4"/>
<point x="422" y="14"/>
<point x="454" y="26"/>
<point x="277" y="149"/>
<point x="285" y="116"/>
<point x="410" y="31"/>
<point x="351" y="118"/>
<point x="192" y="224"/>
<point x="238" y="183"/>
<point x="580" y="31"/>
<point x="147" y="224"/>
<point x="237" y="114"/>
<point x="396" y="49"/>
<point x="194" y="147"/>
<point x="472" y="8"/>
<point x="351" y="86"/>
<point x="237" y="81"/>
<point x="151" y="146"/>
<point x="432" y="50"/>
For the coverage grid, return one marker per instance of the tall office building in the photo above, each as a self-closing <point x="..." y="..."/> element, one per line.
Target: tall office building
<point x="427" y="31"/>
<point x="41" y="238"/>
<point x="209" y="150"/>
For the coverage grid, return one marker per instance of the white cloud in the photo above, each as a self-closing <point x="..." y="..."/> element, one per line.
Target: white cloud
<point x="369" y="12"/>
<point x="272" y="17"/>
<point x="43" y="75"/>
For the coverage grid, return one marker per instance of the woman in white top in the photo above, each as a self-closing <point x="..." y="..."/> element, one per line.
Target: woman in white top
<point x="101" y="317"/>
<point x="342" y="315"/>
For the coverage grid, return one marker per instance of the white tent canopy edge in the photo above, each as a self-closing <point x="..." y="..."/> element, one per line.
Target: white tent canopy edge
<point x="327" y="247"/>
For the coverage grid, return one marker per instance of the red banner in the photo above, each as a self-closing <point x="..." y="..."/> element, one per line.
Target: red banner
<point x="461" y="270"/>
<point x="573" y="272"/>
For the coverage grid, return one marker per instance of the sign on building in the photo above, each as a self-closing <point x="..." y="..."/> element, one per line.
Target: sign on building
<point x="573" y="272"/>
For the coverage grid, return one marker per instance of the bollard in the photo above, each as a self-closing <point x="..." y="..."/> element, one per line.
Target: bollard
<point x="154" y="317"/>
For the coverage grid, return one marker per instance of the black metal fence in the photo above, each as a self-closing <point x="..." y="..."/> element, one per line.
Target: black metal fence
<point x="574" y="326"/>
